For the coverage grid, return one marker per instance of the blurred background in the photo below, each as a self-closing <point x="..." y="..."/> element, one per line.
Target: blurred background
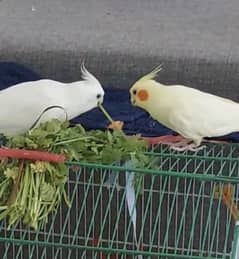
<point x="197" y="41"/>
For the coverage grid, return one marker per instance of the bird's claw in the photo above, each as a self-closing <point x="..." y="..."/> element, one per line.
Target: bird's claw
<point x="188" y="147"/>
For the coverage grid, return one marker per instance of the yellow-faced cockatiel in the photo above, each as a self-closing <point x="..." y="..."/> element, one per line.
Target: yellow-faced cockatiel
<point x="193" y="114"/>
<point x="24" y="104"/>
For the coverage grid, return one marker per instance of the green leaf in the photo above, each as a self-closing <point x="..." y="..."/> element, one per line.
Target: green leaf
<point x="110" y="137"/>
<point x="47" y="192"/>
<point x="18" y="141"/>
<point x="45" y="181"/>
<point x="12" y="173"/>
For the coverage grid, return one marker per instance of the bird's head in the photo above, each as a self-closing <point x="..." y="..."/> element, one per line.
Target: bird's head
<point x="92" y="90"/>
<point x="142" y="91"/>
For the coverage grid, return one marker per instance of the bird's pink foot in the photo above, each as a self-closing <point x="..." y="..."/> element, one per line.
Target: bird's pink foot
<point x="179" y="143"/>
<point x="185" y="146"/>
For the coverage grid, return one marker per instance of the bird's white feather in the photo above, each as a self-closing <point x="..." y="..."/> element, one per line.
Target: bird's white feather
<point x="197" y="114"/>
<point x="22" y="104"/>
<point x="192" y="113"/>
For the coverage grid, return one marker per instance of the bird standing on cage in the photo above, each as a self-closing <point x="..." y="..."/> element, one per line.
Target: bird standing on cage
<point x="193" y="114"/>
<point x="25" y="105"/>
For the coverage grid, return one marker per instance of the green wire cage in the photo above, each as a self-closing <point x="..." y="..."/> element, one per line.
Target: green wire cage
<point x="187" y="208"/>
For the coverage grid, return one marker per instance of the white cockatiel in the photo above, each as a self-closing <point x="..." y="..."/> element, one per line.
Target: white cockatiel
<point x="23" y="104"/>
<point x="191" y="113"/>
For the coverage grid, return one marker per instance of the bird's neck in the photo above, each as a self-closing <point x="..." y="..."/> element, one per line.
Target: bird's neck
<point x="74" y="89"/>
<point x="159" y="106"/>
<point x="159" y="94"/>
<point x="75" y="103"/>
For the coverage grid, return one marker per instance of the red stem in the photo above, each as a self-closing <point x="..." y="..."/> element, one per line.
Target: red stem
<point x="31" y="155"/>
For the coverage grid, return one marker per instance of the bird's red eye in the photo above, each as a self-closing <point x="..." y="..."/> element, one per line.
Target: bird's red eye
<point x="143" y="95"/>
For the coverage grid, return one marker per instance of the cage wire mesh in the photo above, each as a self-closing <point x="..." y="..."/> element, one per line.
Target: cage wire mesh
<point x="183" y="211"/>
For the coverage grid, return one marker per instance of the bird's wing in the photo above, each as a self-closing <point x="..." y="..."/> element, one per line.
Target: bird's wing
<point x="196" y="114"/>
<point x="21" y="106"/>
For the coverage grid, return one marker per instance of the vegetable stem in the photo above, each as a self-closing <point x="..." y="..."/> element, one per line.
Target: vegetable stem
<point x="105" y="112"/>
<point x="15" y="188"/>
<point x="71" y="140"/>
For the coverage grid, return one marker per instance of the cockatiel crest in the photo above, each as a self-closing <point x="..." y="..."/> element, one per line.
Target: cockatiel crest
<point x="151" y="75"/>
<point x="140" y="91"/>
<point x="192" y="113"/>
<point x="87" y="76"/>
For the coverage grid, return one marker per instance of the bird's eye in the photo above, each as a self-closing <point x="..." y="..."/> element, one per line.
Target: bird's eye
<point x="98" y="96"/>
<point x="134" y="92"/>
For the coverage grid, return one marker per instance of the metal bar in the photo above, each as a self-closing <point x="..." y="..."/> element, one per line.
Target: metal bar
<point x="100" y="249"/>
<point x="201" y="177"/>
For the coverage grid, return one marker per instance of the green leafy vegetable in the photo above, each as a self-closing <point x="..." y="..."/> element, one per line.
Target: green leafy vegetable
<point x="30" y="191"/>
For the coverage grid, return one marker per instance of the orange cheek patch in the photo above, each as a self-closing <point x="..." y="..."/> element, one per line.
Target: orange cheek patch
<point x="143" y="95"/>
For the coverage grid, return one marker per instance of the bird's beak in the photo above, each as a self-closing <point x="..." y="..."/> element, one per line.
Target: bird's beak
<point x="101" y="100"/>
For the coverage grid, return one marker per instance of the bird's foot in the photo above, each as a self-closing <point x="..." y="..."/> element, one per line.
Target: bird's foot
<point x="171" y="140"/>
<point x="177" y="143"/>
<point x="185" y="146"/>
